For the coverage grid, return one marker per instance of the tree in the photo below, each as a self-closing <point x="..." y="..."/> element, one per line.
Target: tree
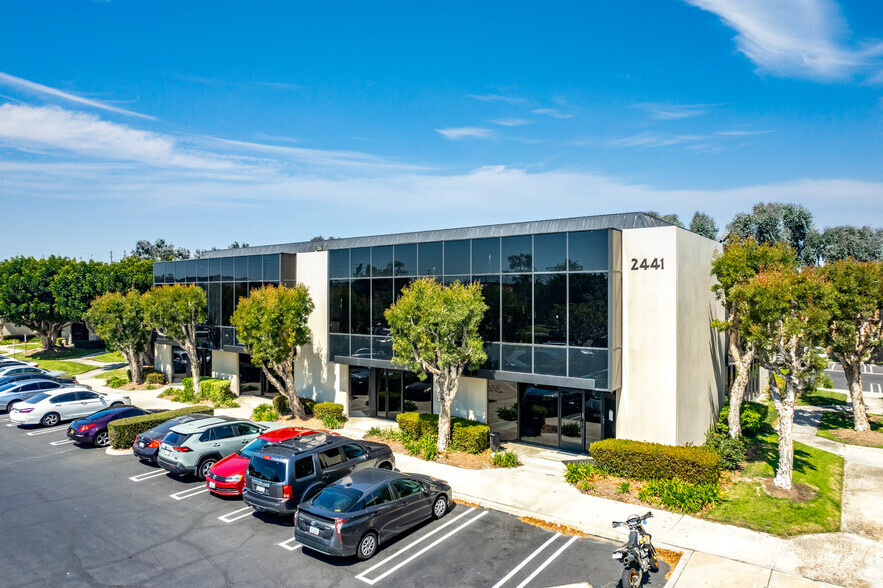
<point x="272" y="323"/>
<point x="27" y="299"/>
<point x="119" y="320"/>
<point x="704" y="225"/>
<point x="76" y="285"/>
<point x="434" y="330"/>
<point x="787" y="313"/>
<point x="176" y="311"/>
<point x="856" y="329"/>
<point x="774" y="223"/>
<point x="669" y="218"/>
<point x="159" y="250"/>
<point x="742" y="260"/>
<point x="237" y="245"/>
<point x="129" y="273"/>
<point x="843" y="242"/>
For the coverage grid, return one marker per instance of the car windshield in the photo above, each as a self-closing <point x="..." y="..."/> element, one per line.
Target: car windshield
<point x="37" y="398"/>
<point x="253" y="447"/>
<point x="337" y="499"/>
<point x="101" y="414"/>
<point x="265" y="469"/>
<point x="176" y="439"/>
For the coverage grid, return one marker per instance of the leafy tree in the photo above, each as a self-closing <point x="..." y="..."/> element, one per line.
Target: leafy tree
<point x="159" y="250"/>
<point x="434" y="330"/>
<point x="27" y="299"/>
<point x="704" y="225"/>
<point x="129" y="273"/>
<point x="272" y="323"/>
<point x="740" y="262"/>
<point x="76" y="285"/>
<point x="786" y="314"/>
<point x="237" y="245"/>
<point x="176" y="311"/>
<point x="774" y="223"/>
<point x="857" y="326"/>
<point x="844" y="242"/>
<point x="119" y="320"/>
<point x="669" y="218"/>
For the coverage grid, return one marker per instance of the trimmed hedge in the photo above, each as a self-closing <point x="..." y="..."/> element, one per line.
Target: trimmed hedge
<point x="264" y="412"/>
<point x="156" y="379"/>
<point x="751" y="417"/>
<point x="466" y="435"/>
<point x="122" y="432"/>
<point x="214" y="389"/>
<point x="650" y="461"/>
<point x="323" y="410"/>
<point x="280" y="404"/>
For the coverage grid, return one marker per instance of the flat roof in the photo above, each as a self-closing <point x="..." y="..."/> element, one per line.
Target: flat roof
<point x="621" y="221"/>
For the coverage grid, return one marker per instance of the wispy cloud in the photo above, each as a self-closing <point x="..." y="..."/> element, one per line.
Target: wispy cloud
<point x="497" y="98"/>
<point x="35" y="88"/>
<point x="652" y="140"/>
<point x="800" y="38"/>
<point x="742" y="133"/>
<point x="511" y="122"/>
<point x="456" y="134"/>
<point x="674" y="111"/>
<point x="553" y="112"/>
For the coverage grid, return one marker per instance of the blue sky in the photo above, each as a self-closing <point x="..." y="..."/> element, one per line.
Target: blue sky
<point x="268" y="122"/>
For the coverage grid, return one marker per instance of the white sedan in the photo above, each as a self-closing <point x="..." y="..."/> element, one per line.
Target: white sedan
<point x="50" y="408"/>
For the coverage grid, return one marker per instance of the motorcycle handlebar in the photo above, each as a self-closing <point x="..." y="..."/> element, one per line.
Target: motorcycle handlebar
<point x="633" y="520"/>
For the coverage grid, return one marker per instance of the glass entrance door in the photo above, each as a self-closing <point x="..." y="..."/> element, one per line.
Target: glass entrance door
<point x="571" y="419"/>
<point x="359" y="391"/>
<point x="567" y="418"/>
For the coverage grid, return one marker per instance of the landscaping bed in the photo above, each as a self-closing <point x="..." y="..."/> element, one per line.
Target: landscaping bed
<point x="839" y="426"/>
<point x="460" y="459"/>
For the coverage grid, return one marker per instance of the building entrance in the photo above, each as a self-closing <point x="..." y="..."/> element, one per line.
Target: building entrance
<point x="567" y="418"/>
<point x="386" y="393"/>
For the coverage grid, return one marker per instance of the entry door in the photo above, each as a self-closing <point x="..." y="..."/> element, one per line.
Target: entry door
<point x="360" y="379"/>
<point x="571" y="419"/>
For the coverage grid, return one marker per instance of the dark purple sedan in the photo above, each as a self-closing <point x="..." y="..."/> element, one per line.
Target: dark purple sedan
<point x="93" y="428"/>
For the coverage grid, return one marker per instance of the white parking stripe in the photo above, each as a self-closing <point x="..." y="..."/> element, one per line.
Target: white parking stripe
<point x="876" y="388"/>
<point x="62" y="442"/>
<point x="422" y="551"/>
<point x="537" y="571"/>
<point x="229" y="518"/>
<point x="287" y="545"/>
<point x="12" y="425"/>
<point x="148" y="475"/>
<point x="189" y="493"/>
<point x="525" y="562"/>
<point x="44" y="431"/>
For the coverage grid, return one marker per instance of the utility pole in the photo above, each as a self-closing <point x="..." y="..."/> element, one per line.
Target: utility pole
<point x="111" y="257"/>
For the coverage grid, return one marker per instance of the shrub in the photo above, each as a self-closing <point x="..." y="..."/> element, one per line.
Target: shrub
<point x="332" y="422"/>
<point x="215" y="390"/>
<point x="579" y="470"/>
<point x="507" y="413"/>
<point x="505" y="459"/>
<point x="623" y="488"/>
<point x="731" y="451"/>
<point x="388" y="434"/>
<point x="466" y="435"/>
<point x="327" y="409"/>
<point x="751" y="417"/>
<point x="280" y="404"/>
<point x="123" y="431"/>
<point x="117" y="381"/>
<point x="680" y="495"/>
<point x="309" y="405"/>
<point x="649" y="461"/>
<point x="571" y="430"/>
<point x="264" y="412"/>
<point x="586" y="485"/>
<point x="417" y="424"/>
<point x="155" y="379"/>
<point x="61" y="342"/>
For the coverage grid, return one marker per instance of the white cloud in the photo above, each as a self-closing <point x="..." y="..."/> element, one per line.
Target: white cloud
<point x="800" y="38"/>
<point x="674" y="111"/>
<point x="650" y="140"/>
<point x="553" y="112"/>
<point x="497" y="98"/>
<point x="456" y="134"/>
<point x="35" y="88"/>
<point x="511" y="122"/>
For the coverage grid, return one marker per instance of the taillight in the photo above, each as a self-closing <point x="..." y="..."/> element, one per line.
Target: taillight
<point x="154" y="443"/>
<point x="25" y="410"/>
<point x="181" y="449"/>
<point x="338" y="523"/>
<point x="286" y="491"/>
<point x="85" y="427"/>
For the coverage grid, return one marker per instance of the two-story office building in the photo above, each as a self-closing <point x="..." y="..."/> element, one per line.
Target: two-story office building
<point x="597" y="326"/>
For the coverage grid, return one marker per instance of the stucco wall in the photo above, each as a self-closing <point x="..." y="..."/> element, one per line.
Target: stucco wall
<point x="162" y="360"/>
<point x="471" y="399"/>
<point x="225" y="366"/>
<point x="701" y="372"/>
<point x="315" y="376"/>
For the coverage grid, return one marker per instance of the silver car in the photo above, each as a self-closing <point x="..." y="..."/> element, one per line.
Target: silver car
<point x="193" y="448"/>
<point x="15" y="392"/>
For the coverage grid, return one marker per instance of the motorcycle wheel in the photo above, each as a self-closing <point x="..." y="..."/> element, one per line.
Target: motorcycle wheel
<point x="654" y="560"/>
<point x="631" y="578"/>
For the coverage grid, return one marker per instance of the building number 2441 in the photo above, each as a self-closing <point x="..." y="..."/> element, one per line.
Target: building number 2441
<point x="657" y="263"/>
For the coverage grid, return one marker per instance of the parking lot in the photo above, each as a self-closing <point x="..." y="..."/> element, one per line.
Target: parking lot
<point x="76" y="516"/>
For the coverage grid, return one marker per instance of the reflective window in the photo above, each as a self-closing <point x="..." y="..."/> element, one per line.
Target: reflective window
<point x="191" y="270"/>
<point x="255" y="268"/>
<point x="493" y="356"/>
<point x="339" y="306"/>
<point x="303" y="468"/>
<point x="517" y="306"/>
<point x="550" y="252"/>
<point x="159" y="272"/>
<point x="517" y="255"/>
<point x="170" y="272"/>
<point x="227" y="299"/>
<point x="406" y="487"/>
<point x="380" y="496"/>
<point x="486" y="256"/>
<point x="451" y="279"/>
<point x="360" y="307"/>
<point x="381" y="261"/>
<point x="457" y="257"/>
<point x="516" y="358"/>
<point x="381" y="347"/>
<point x="360" y="262"/>
<point x="361" y="346"/>
<point x="400" y="284"/>
<point x="490" y="324"/>
<point x="271" y="267"/>
<point x="202" y="270"/>
<point x="241" y="268"/>
<point x="381" y="299"/>
<point x="214" y="269"/>
<point x="550" y="303"/>
<point x="418" y="393"/>
<point x="405" y="260"/>
<point x="539" y="414"/>
<point x="502" y="404"/>
<point x="590" y="363"/>
<point x="339" y="263"/>
<point x="180" y="271"/>
<point x="241" y="292"/>
<point x="214" y="304"/>
<point x="353" y="450"/>
<point x="227" y="269"/>
<point x="587" y="251"/>
<point x="330" y="457"/>
<point x="338" y="345"/>
<point x="429" y="258"/>
<point x="588" y="310"/>
<point x="550" y="360"/>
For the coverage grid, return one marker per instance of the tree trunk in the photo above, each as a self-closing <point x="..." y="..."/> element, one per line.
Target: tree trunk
<point x="785" y="408"/>
<point x="852" y="368"/>
<point x="193" y="355"/>
<point x="288" y="388"/>
<point x="136" y="368"/>
<point x="445" y="389"/>
<point x="737" y="390"/>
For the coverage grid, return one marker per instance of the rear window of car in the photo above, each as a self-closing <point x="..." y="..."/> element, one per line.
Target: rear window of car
<point x="174" y="438"/>
<point x="337" y="499"/>
<point x="266" y="469"/>
<point x="101" y="414"/>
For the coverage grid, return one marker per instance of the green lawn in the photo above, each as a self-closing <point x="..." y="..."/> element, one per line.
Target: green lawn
<point x="821" y="398"/>
<point x="109" y="357"/>
<point x="843" y="420"/>
<point x="72" y="368"/>
<point x="21" y="346"/>
<point x="113" y="373"/>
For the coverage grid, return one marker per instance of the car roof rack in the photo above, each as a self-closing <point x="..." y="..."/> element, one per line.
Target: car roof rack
<point x="305" y="443"/>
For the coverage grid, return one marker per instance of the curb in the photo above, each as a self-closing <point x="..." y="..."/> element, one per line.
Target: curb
<point x="679" y="569"/>
<point x="112" y="451"/>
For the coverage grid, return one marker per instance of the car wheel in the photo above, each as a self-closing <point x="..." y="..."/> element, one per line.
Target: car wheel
<point x="385" y="466"/>
<point x="367" y="546"/>
<point x="204" y="466"/>
<point x="50" y="419"/>
<point x="440" y="507"/>
<point x="11" y="405"/>
<point x="102" y="439"/>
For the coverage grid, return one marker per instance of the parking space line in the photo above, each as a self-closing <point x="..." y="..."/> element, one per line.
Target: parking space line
<point x="189" y="493"/>
<point x="45" y="431"/>
<point x="542" y="567"/>
<point x="878" y="390"/>
<point x="148" y="475"/>
<point x="12" y="425"/>
<point x="830" y="366"/>
<point x="62" y="442"/>
<point x="287" y="544"/>
<point x="229" y="518"/>
<point x="419" y="553"/>
<point x="508" y="576"/>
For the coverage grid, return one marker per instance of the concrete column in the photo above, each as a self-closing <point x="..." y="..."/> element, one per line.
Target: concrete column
<point x="162" y="360"/>
<point x="225" y="366"/>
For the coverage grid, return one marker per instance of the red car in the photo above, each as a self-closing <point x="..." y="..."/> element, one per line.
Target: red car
<point x="227" y="477"/>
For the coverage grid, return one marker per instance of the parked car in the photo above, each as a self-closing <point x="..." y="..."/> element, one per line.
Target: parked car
<point x="52" y="375"/>
<point x="227" y="477"/>
<point x="367" y="508"/>
<point x="15" y="392"/>
<point x="63" y="404"/>
<point x="146" y="444"/>
<point x="282" y="475"/>
<point x="93" y="428"/>
<point x="9" y="361"/>
<point x="16" y="369"/>
<point x="193" y="448"/>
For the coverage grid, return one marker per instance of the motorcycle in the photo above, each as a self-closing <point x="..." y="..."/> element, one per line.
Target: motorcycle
<point x="638" y="555"/>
